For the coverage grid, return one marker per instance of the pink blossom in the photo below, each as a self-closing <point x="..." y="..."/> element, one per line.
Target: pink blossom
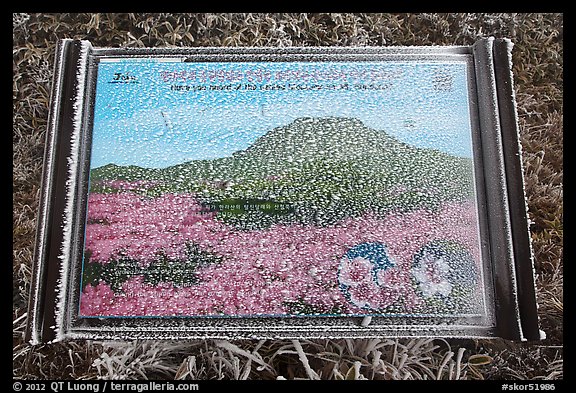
<point x="395" y="284"/>
<point x="365" y="294"/>
<point x="262" y="271"/>
<point x="355" y="272"/>
<point x="97" y="300"/>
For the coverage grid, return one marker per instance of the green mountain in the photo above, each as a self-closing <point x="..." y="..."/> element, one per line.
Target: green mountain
<point x="128" y="173"/>
<point x="324" y="169"/>
<point x="310" y="139"/>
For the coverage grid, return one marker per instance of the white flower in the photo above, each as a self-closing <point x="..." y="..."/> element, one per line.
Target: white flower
<point x="431" y="274"/>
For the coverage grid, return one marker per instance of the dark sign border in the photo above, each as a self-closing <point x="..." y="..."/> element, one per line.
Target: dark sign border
<point x="499" y="187"/>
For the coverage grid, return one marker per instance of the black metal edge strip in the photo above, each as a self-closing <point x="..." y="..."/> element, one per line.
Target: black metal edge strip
<point x="49" y="263"/>
<point x="480" y="191"/>
<point x="292" y="57"/>
<point x="74" y="201"/>
<point x="279" y="51"/>
<point x="82" y="193"/>
<point x="435" y="331"/>
<point x="37" y="299"/>
<point x="516" y="196"/>
<point x="60" y="184"/>
<point x="506" y="307"/>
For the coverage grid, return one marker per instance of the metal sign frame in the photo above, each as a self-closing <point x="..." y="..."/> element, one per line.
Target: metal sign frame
<point x="511" y="307"/>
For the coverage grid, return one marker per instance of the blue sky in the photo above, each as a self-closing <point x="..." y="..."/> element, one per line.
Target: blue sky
<point x="148" y="124"/>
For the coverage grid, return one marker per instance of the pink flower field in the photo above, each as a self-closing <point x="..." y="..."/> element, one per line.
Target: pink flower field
<point x="283" y="270"/>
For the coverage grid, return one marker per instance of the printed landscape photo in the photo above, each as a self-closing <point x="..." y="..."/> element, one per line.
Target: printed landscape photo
<point x="322" y="215"/>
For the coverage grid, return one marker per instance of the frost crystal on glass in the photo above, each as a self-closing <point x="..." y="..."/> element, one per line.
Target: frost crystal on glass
<point x="281" y="189"/>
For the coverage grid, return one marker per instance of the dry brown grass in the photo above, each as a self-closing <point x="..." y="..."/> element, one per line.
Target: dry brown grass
<point x="538" y="69"/>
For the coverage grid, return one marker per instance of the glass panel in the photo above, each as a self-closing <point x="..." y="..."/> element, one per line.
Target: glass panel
<point x="282" y="189"/>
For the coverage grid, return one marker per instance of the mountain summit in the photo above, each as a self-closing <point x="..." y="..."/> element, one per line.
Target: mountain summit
<point x="308" y="138"/>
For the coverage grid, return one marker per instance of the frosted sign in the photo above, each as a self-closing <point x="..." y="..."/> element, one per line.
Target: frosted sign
<point x="253" y="188"/>
<point x="249" y="193"/>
